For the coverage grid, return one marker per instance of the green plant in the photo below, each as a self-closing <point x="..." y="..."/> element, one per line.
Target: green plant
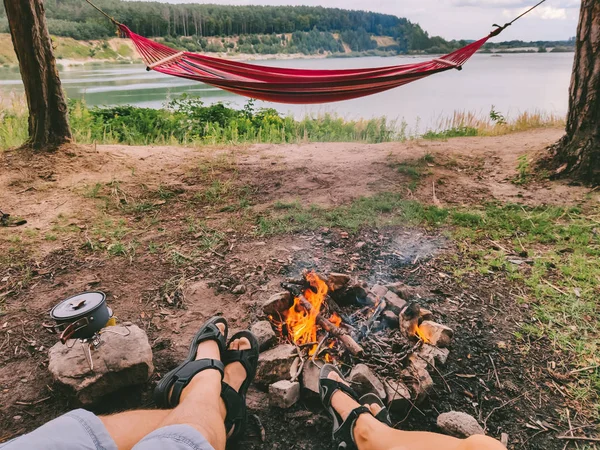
<point x="523" y="170"/>
<point x="497" y="117"/>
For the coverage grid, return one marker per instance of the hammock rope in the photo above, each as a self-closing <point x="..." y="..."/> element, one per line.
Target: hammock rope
<point x="294" y="86"/>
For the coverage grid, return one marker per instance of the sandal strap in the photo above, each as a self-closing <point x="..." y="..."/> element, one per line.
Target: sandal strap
<point x="189" y="370"/>
<point x="330" y="387"/>
<point x="235" y="405"/>
<point x="384" y="417"/>
<point x="212" y="333"/>
<point x="247" y="358"/>
<point x="344" y="435"/>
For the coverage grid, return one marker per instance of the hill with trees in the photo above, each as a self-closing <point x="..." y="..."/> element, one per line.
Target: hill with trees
<point x="265" y="29"/>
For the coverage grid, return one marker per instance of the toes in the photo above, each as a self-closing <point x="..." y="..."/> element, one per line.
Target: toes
<point x="334" y="376"/>
<point x="221" y="327"/>
<point x="375" y="409"/>
<point x="234" y="345"/>
<point x="244" y="344"/>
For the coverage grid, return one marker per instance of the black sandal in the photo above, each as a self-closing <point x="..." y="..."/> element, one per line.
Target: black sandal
<point x="235" y="401"/>
<point x="384" y="415"/>
<point x="178" y="378"/>
<point x="343" y="435"/>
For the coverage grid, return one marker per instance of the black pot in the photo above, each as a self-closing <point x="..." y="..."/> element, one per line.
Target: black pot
<point x="80" y="316"/>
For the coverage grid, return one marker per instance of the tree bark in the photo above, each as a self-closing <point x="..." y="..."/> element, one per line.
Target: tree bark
<point x="577" y="154"/>
<point x="48" y="113"/>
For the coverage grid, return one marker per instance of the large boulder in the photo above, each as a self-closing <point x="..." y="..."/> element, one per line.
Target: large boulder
<point x="121" y="361"/>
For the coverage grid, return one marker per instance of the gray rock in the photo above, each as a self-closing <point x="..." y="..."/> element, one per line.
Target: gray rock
<point x="275" y="365"/>
<point x="265" y="334"/>
<point x="434" y="355"/>
<point x="120" y="362"/>
<point x="391" y="319"/>
<point x="394" y="303"/>
<point x="459" y="424"/>
<point x="407" y="292"/>
<point x="364" y="381"/>
<point x="337" y="281"/>
<point x="437" y="334"/>
<point x="310" y="377"/>
<point x="417" y="378"/>
<point x="239" y="289"/>
<point x="379" y="291"/>
<point x="397" y="396"/>
<point x="284" y="394"/>
<point x="278" y="303"/>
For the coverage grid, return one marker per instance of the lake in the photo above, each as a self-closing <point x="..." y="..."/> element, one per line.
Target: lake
<point x="513" y="83"/>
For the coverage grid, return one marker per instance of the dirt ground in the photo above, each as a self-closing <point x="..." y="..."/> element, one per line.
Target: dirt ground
<point x="66" y="199"/>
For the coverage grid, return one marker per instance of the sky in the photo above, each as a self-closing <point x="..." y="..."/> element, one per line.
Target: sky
<point x="458" y="19"/>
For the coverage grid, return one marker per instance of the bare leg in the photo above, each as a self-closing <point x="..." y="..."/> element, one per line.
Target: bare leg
<point x="201" y="406"/>
<point x="370" y="434"/>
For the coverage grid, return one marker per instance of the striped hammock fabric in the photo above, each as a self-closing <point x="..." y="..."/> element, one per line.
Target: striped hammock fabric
<point x="293" y="86"/>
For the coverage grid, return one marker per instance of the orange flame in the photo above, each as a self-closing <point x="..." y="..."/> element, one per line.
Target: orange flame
<point x="336" y="320"/>
<point x="302" y="324"/>
<point x="419" y="333"/>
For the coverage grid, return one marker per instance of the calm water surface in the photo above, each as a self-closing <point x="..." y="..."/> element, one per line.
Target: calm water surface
<point x="512" y="83"/>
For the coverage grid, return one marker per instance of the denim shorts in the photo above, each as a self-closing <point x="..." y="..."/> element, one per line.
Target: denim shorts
<point x="82" y="430"/>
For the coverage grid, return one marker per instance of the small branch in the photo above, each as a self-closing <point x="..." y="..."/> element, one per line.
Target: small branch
<point x="578" y="438"/>
<point x="555" y="288"/>
<point x="498" y="385"/>
<point x="336" y="332"/>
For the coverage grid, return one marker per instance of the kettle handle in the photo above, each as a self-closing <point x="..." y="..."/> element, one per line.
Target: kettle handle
<point x="73" y="328"/>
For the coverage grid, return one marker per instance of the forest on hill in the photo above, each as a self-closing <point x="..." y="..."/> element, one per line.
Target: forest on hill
<point x="312" y="29"/>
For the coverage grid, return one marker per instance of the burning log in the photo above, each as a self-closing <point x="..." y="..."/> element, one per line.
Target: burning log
<point x="334" y="331"/>
<point x="409" y="320"/>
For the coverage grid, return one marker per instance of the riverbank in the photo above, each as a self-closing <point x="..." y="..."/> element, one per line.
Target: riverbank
<point x="517" y="279"/>
<point x="70" y="52"/>
<point x="187" y="121"/>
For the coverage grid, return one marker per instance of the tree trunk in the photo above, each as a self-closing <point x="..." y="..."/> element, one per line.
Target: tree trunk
<point x="48" y="118"/>
<point x="578" y="152"/>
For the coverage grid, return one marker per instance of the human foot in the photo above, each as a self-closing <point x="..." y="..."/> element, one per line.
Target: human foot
<point x="241" y="359"/>
<point x="206" y="350"/>
<point x="235" y="373"/>
<point x="202" y="364"/>
<point x="353" y="423"/>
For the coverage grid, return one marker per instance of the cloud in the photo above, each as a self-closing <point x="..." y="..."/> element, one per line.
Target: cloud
<point x="544" y="13"/>
<point x="515" y="4"/>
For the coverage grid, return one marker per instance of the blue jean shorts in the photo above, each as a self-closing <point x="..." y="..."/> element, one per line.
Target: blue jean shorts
<point x="82" y="430"/>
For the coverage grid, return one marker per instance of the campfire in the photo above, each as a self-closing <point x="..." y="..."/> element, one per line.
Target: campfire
<point x="391" y="344"/>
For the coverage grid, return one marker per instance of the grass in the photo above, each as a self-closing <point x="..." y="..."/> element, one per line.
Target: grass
<point x="560" y="287"/>
<point x="467" y="124"/>
<point x="186" y="121"/>
<point x="379" y="210"/>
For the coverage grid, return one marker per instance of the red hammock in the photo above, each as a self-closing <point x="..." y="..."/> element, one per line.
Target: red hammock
<point x="299" y="86"/>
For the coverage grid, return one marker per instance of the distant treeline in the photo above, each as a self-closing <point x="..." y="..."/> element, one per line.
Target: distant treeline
<point x="539" y="46"/>
<point x="76" y="19"/>
<point x="257" y="29"/>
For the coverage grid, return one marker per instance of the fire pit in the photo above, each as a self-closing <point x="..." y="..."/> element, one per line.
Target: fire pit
<point x="386" y="342"/>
